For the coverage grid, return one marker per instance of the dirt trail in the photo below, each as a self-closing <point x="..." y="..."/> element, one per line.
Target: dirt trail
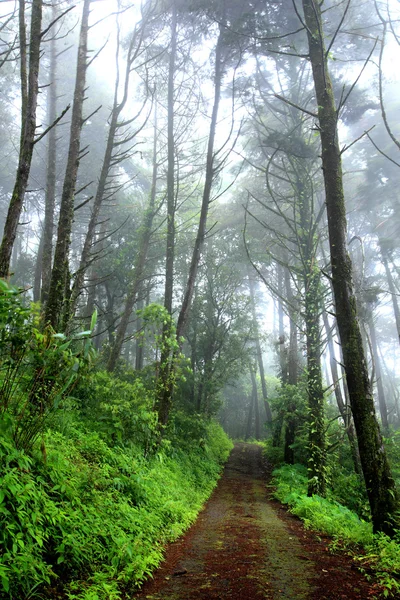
<point x="244" y="546"/>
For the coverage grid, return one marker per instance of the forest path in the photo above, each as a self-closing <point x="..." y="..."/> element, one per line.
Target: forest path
<point x="244" y="546"/>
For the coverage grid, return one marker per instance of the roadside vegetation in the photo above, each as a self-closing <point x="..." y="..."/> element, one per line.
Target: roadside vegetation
<point x="90" y="498"/>
<point x="343" y="514"/>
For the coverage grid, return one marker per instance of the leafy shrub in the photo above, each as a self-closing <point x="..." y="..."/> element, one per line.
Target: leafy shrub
<point x="38" y="368"/>
<point x="97" y="516"/>
<point x="381" y="554"/>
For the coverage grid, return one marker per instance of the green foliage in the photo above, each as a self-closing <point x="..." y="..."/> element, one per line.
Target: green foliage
<point x="120" y="411"/>
<point x="38" y="368"/>
<point x="290" y="404"/>
<point x="380" y="553"/>
<point x="96" y="515"/>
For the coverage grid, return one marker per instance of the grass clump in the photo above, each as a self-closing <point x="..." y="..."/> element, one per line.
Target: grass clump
<point x="380" y="554"/>
<point x="93" y="518"/>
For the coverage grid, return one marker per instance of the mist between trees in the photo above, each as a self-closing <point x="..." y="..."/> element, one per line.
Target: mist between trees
<point x="217" y="181"/>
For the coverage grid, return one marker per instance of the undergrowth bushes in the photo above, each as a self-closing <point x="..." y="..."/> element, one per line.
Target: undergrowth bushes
<point x="326" y="515"/>
<point x="94" y="518"/>
<point x="89" y="492"/>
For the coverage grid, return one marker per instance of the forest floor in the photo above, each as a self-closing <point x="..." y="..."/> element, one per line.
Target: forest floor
<point x="246" y="546"/>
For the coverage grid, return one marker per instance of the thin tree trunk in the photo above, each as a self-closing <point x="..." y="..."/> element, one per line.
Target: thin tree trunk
<point x="382" y="494"/>
<point x="256" y="407"/>
<point x="378" y="376"/>
<point x="60" y="273"/>
<point x="283" y="362"/>
<point x="38" y="271"/>
<point x="145" y="233"/>
<point x="50" y="195"/>
<point x="342" y="404"/>
<point x="293" y="368"/>
<point x="139" y="341"/>
<point x="170" y="253"/>
<point x="393" y="293"/>
<point x="29" y="96"/>
<point x="166" y="380"/>
<point x="259" y="352"/>
<point x="249" y="418"/>
<point x="105" y="172"/>
<point x="316" y="437"/>
<point x="290" y="417"/>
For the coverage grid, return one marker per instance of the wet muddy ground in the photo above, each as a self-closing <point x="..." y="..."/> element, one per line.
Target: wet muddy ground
<point x="245" y="546"/>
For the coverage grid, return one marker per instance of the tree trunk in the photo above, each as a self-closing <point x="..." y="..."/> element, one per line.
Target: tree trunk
<point x="343" y="407"/>
<point x="256" y="407"/>
<point x="105" y="173"/>
<point x="283" y="363"/>
<point x="290" y="427"/>
<point x="144" y="240"/>
<point x="60" y="273"/>
<point x="51" y="175"/>
<point x="38" y="271"/>
<point x="393" y="293"/>
<point x="259" y="353"/>
<point x="170" y="253"/>
<point x="378" y="376"/>
<point x="29" y="96"/>
<point x="382" y="494"/>
<point x="166" y="380"/>
<point x="316" y="437"/>
<point x="249" y="418"/>
<point x="293" y="368"/>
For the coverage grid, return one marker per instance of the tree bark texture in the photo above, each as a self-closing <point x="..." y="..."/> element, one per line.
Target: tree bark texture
<point x="138" y="271"/>
<point x="393" y="292"/>
<point x="51" y="175"/>
<point x="378" y="376"/>
<point x="29" y="96"/>
<point x="382" y="494"/>
<point x="343" y="407"/>
<point x="60" y="272"/>
<point x="166" y="379"/>
<point x="254" y="392"/>
<point x="267" y="407"/>
<point x="106" y="170"/>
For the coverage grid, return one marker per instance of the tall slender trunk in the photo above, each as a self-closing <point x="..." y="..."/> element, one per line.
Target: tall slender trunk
<point x="51" y="175"/>
<point x="60" y="273"/>
<point x="139" y="342"/>
<point x="29" y="97"/>
<point x="290" y="417"/>
<point x="393" y="293"/>
<point x="106" y="170"/>
<point x="170" y="252"/>
<point x="138" y="271"/>
<point x="37" y="281"/>
<point x="380" y="485"/>
<point x="342" y="403"/>
<point x="283" y="363"/>
<point x="378" y="376"/>
<point x="249" y="418"/>
<point x="166" y="380"/>
<point x="256" y="407"/>
<point x="316" y="437"/>
<point x="293" y="367"/>
<point x="259" y="353"/>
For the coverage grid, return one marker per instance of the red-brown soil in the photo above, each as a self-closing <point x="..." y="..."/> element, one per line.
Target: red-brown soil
<point x="245" y="546"/>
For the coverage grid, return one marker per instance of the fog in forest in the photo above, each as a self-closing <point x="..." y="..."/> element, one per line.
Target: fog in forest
<point x="204" y="192"/>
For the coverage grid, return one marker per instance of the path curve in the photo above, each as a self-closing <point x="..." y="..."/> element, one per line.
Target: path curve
<point x="244" y="546"/>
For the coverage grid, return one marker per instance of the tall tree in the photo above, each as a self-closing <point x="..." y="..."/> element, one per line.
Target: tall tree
<point x="60" y="273"/>
<point x="381" y="489"/>
<point x="29" y="96"/>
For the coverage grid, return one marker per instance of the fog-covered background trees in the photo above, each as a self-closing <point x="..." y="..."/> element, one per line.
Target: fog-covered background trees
<point x="218" y="181"/>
